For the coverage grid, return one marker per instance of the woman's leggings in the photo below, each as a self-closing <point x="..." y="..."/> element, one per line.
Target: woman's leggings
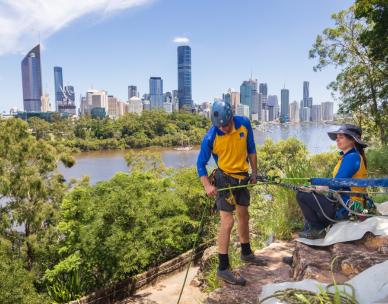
<point x="311" y="211"/>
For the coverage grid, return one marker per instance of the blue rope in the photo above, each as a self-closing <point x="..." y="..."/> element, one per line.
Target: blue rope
<point x="350" y="182"/>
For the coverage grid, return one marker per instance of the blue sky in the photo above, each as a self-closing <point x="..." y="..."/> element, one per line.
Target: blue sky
<point x="111" y="48"/>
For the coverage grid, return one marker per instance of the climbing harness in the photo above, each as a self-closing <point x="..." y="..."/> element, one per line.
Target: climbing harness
<point x="220" y="179"/>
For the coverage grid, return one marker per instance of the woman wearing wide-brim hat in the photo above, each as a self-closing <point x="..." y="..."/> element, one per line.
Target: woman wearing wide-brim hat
<point x="351" y="164"/>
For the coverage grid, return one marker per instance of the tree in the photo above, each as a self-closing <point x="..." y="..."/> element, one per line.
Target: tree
<point x="375" y="12"/>
<point x="361" y="84"/>
<point x="16" y="283"/>
<point x="121" y="227"/>
<point x="32" y="190"/>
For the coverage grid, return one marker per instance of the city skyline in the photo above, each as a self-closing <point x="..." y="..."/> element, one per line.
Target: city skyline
<point x="213" y="70"/>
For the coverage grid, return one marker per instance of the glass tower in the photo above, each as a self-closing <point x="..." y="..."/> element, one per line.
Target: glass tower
<point x="248" y="95"/>
<point x="156" y="93"/>
<point x="284" y="104"/>
<point x="58" y="86"/>
<point x="32" y="80"/>
<point x="306" y="94"/>
<point x="184" y="78"/>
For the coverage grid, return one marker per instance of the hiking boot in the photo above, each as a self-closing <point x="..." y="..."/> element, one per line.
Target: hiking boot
<point x="229" y="277"/>
<point x="313" y="234"/>
<point x="252" y="259"/>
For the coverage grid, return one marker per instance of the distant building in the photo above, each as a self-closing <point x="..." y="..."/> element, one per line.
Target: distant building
<point x="167" y="97"/>
<point x="146" y="105"/>
<point x="167" y="107"/>
<point x="263" y="89"/>
<point x="294" y="111"/>
<point x="135" y="105"/>
<point x="58" y="86"/>
<point x="305" y="114"/>
<point x="156" y="93"/>
<point x="255" y="117"/>
<point x="132" y="91"/>
<point x="284" y="105"/>
<point x="98" y="112"/>
<point x="32" y="80"/>
<point x="256" y="104"/>
<point x="206" y="113"/>
<point x="67" y="105"/>
<point x="115" y="107"/>
<point x="94" y="99"/>
<point x="327" y="111"/>
<point x="248" y="95"/>
<point x="235" y="99"/>
<point x="306" y="94"/>
<point x="184" y="78"/>
<point x="316" y="113"/>
<point x="45" y="103"/>
<point x="227" y="98"/>
<point x="272" y="102"/>
<point x="242" y="110"/>
<point x="265" y="115"/>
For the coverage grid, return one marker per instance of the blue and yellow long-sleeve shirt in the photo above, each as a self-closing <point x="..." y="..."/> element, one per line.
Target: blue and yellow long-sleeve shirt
<point x="230" y="151"/>
<point x="350" y="165"/>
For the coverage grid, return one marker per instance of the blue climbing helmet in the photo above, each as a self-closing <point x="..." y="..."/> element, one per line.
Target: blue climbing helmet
<point x="221" y="114"/>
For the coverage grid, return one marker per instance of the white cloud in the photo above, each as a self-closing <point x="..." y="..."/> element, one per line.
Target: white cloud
<point x="181" y="40"/>
<point x="23" y="21"/>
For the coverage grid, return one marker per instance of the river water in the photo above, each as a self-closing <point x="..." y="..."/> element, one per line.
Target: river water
<point x="102" y="165"/>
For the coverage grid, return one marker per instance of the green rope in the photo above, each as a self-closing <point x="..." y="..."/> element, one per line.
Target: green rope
<point x="260" y="183"/>
<point x="297" y="296"/>
<point x="202" y="221"/>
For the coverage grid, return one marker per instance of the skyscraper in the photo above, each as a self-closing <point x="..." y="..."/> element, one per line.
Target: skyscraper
<point x="32" y="80"/>
<point x="305" y="114"/>
<point x="132" y="91"/>
<point x="69" y="91"/>
<point x="273" y="106"/>
<point x="184" y="78"/>
<point x="316" y="113"/>
<point x="263" y="89"/>
<point x="327" y="111"/>
<point x="294" y="111"/>
<point x="156" y="93"/>
<point x="58" y="86"/>
<point x="306" y="93"/>
<point x="248" y="94"/>
<point x="307" y="100"/>
<point x="284" y="105"/>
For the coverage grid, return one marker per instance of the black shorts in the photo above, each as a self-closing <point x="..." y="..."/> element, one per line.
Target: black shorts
<point x="228" y="199"/>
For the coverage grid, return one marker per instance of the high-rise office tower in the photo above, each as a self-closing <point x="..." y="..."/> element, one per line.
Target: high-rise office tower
<point x="132" y="91"/>
<point x="156" y="93"/>
<point x="184" y="78"/>
<point x="58" y="86"/>
<point x="248" y="94"/>
<point x="32" y="80"/>
<point x="284" y="104"/>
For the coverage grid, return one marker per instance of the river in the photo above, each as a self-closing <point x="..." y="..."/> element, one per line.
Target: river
<point x="102" y="165"/>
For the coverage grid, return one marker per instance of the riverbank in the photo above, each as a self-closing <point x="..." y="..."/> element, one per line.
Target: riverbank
<point x="102" y="165"/>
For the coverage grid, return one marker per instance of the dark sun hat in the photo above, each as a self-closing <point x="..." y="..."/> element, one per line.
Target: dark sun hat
<point x="351" y="130"/>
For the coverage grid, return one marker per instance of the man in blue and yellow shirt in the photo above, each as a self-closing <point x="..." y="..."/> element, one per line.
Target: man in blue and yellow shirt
<point x="230" y="141"/>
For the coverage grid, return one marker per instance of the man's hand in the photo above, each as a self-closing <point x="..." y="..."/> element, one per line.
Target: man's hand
<point x="210" y="190"/>
<point x="253" y="179"/>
